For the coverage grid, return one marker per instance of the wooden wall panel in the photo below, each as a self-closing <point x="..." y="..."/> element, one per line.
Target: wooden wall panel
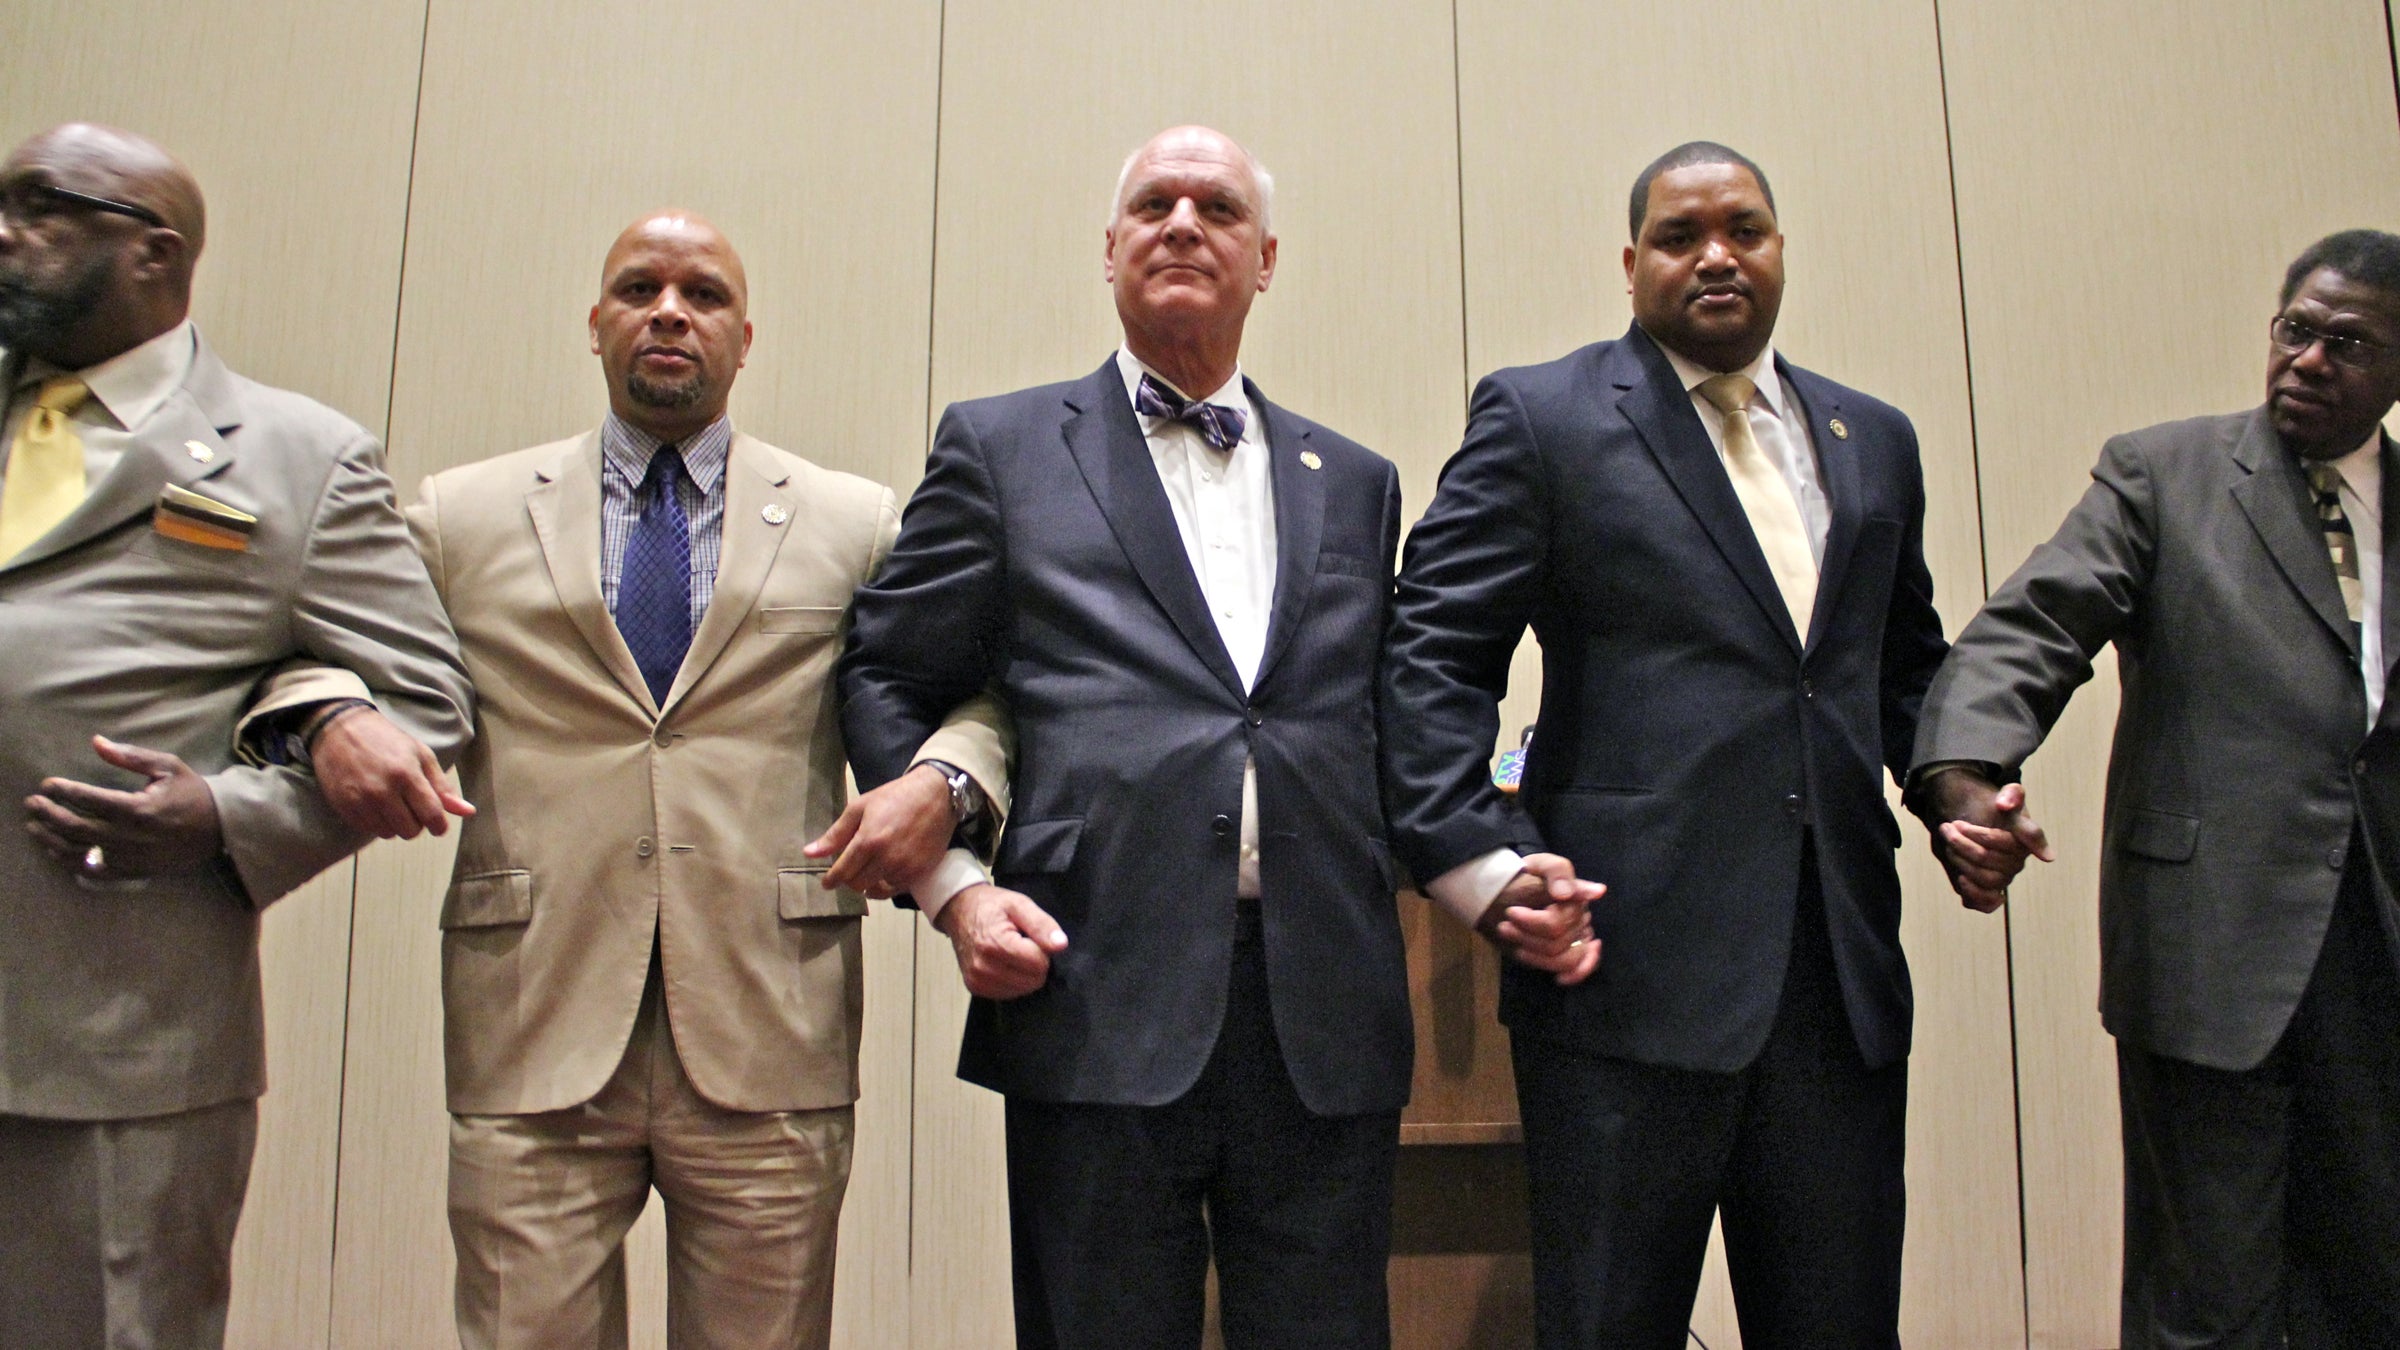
<point x="806" y="132"/>
<point x="2132" y="179"/>
<point x="1561" y="105"/>
<point x="296" y="288"/>
<point x="1350" y="107"/>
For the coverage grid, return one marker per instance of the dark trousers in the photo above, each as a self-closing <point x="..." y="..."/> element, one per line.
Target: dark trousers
<point x="1801" y="1151"/>
<point x="2262" y="1208"/>
<point x="1115" y="1211"/>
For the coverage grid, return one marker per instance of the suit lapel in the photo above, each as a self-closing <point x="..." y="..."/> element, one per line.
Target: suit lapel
<point x="181" y="443"/>
<point x="759" y="509"/>
<point x="565" y="505"/>
<point x="1299" y="524"/>
<point x="2275" y="497"/>
<point x="1655" y="403"/>
<point x="1837" y="468"/>
<point x="1108" y="447"/>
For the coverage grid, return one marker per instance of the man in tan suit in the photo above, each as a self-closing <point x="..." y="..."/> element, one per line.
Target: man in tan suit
<point x="169" y="532"/>
<point x="647" y="978"/>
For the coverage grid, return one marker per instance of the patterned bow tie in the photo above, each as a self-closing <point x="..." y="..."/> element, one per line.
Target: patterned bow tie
<point x="1217" y="424"/>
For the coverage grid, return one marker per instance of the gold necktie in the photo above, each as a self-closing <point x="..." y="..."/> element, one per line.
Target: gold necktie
<point x="45" y="467"/>
<point x="1766" y="498"/>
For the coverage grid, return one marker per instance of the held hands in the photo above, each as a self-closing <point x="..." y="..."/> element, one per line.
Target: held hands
<point x="382" y="781"/>
<point x="1542" y="918"/>
<point x="1004" y="941"/>
<point x="1982" y="835"/>
<point x="891" y="837"/>
<point x="169" y="824"/>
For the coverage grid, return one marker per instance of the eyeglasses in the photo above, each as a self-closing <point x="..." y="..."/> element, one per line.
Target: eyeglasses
<point x="31" y="203"/>
<point x="2295" y="337"/>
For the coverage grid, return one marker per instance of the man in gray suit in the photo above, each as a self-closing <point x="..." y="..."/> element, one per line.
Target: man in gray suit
<point x="2247" y="916"/>
<point x="169" y="532"/>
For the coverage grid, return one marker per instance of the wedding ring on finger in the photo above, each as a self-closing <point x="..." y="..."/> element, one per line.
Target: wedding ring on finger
<point x="94" y="861"/>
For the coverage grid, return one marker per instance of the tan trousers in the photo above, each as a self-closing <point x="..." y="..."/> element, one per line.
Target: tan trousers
<point x="118" y="1234"/>
<point x="540" y="1204"/>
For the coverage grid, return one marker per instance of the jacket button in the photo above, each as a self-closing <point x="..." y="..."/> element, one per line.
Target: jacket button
<point x="2336" y="856"/>
<point x="662" y="738"/>
<point x="1257" y="718"/>
<point x="1807" y="690"/>
<point x="642" y="847"/>
<point x="2359" y="767"/>
<point x="1221" y="827"/>
<point x="1791" y="806"/>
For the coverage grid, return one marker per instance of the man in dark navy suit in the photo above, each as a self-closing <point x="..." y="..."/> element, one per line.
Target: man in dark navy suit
<point x="1192" y="990"/>
<point x="1721" y="555"/>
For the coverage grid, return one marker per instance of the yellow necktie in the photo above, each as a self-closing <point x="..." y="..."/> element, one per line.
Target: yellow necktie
<point x="1766" y="498"/>
<point x="45" y="467"/>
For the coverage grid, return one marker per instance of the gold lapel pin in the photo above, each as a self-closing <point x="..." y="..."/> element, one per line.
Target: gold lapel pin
<point x="1309" y="458"/>
<point x="773" y="513"/>
<point x="200" y="452"/>
<point x="1840" y="429"/>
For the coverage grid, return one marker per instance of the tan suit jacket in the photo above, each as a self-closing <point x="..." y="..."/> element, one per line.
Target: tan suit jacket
<point x="141" y="999"/>
<point x="604" y="819"/>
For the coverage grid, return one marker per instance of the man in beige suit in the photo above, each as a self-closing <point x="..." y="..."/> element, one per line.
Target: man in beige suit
<point x="647" y="978"/>
<point x="169" y="532"/>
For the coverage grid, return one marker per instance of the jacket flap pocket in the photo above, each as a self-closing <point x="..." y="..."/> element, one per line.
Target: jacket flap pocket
<point x="2161" y="834"/>
<point x="489" y="899"/>
<point x="800" y="619"/>
<point x="801" y="893"/>
<point x="1039" y="845"/>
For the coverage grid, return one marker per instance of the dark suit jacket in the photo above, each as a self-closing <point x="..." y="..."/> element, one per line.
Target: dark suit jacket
<point x="1040" y="557"/>
<point x="1687" y="738"/>
<point x="2242" y="761"/>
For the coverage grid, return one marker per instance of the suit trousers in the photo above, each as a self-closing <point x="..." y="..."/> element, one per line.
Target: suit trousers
<point x="1801" y="1152"/>
<point x="1115" y="1211"/>
<point x="119" y="1233"/>
<point x="540" y="1205"/>
<point x="2262" y="1207"/>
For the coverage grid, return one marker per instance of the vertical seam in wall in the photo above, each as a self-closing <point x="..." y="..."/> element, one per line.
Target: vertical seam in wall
<point x="2391" y="51"/>
<point x="1983" y="557"/>
<point x="1458" y="150"/>
<point x="341" y="1116"/>
<point x="933" y="279"/>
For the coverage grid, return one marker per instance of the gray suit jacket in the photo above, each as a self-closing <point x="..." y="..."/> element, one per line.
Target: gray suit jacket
<point x="136" y="999"/>
<point x="2243" y="761"/>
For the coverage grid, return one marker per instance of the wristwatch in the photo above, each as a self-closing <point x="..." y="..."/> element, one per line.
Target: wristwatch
<point x="966" y="799"/>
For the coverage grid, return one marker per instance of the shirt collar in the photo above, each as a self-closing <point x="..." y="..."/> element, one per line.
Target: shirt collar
<point x="132" y="384"/>
<point x="627" y="449"/>
<point x="1761" y="371"/>
<point x="2362" y="468"/>
<point x="1228" y="395"/>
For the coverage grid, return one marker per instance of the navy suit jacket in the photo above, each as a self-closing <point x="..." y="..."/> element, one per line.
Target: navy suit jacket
<point x="1039" y="558"/>
<point x="1688" y="736"/>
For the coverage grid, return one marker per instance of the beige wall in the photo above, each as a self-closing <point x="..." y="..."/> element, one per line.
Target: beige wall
<point x="2026" y="222"/>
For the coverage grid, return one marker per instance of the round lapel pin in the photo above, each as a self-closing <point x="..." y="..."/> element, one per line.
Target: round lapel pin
<point x="1309" y="458"/>
<point x="773" y="513"/>
<point x="199" y="452"/>
<point x="1840" y="429"/>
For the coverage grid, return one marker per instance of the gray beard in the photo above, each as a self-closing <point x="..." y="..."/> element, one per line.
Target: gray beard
<point x="38" y="321"/>
<point x="654" y="394"/>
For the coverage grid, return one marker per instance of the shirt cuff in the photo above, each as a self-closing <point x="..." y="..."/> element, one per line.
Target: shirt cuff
<point x="957" y="870"/>
<point x="1469" y="889"/>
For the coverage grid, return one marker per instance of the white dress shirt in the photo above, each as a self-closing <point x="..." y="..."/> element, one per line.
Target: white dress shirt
<point x="126" y="389"/>
<point x="2362" y="502"/>
<point x="1780" y="427"/>
<point x="1224" y="508"/>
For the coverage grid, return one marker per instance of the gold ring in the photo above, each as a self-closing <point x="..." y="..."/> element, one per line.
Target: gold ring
<point x="1576" y="943"/>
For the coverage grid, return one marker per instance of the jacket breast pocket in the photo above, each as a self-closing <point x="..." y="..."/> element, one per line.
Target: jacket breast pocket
<point x="1348" y="565"/>
<point x="800" y="620"/>
<point x="801" y="893"/>
<point x="489" y="900"/>
<point x="2161" y="835"/>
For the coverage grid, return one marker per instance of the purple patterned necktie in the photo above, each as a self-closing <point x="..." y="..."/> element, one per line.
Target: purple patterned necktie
<point x="654" y="585"/>
<point x="1217" y="424"/>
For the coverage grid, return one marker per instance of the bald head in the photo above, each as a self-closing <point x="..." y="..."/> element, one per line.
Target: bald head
<point x="101" y="236"/>
<point x="672" y="326"/>
<point x="1184" y="142"/>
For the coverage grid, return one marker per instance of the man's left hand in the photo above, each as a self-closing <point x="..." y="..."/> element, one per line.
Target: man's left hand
<point x="889" y="838"/>
<point x="167" y="825"/>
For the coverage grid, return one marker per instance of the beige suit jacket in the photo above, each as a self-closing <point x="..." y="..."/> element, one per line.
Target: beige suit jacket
<point x="140" y="999"/>
<point x="604" y="819"/>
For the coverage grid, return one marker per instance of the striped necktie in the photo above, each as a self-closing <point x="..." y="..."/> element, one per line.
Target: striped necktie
<point x="2325" y="482"/>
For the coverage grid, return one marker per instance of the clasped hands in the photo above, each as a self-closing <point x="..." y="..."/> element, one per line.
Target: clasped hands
<point x="1982" y="834"/>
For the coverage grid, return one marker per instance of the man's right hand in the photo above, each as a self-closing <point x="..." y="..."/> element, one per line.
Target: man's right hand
<point x="1003" y="940"/>
<point x="382" y="781"/>
<point x="1542" y="918"/>
<point x="1981" y="834"/>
